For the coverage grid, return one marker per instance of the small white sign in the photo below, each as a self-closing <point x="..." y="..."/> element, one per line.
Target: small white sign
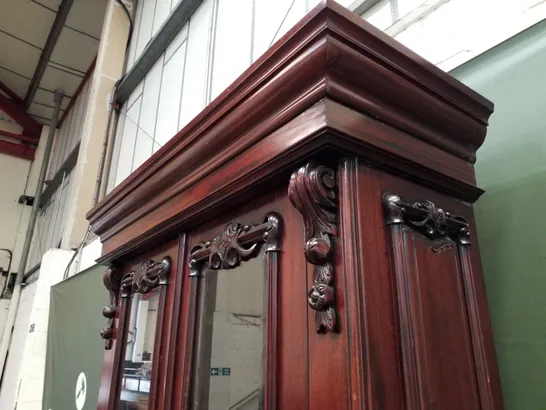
<point x="81" y="391"/>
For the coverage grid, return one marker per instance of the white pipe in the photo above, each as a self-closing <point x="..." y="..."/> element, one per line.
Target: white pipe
<point x="16" y="295"/>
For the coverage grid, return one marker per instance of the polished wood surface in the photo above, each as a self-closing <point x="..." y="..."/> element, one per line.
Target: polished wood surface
<point x="320" y="60"/>
<point x="112" y="370"/>
<point x="367" y="308"/>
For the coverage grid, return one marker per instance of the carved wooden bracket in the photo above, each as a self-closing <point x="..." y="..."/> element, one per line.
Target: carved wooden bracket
<point x="112" y="282"/>
<point x="312" y="192"/>
<point x="441" y="227"/>
<point x="150" y="275"/>
<point x="236" y="243"/>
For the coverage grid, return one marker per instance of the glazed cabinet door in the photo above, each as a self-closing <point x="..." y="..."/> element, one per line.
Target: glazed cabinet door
<point x="227" y="353"/>
<point x="343" y="287"/>
<point x="422" y="313"/>
<point x="137" y="336"/>
<point x="259" y="325"/>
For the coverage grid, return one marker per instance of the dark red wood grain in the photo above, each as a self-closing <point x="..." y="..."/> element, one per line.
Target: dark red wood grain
<point x="112" y="370"/>
<point x="109" y="390"/>
<point x="293" y="381"/>
<point x="449" y="363"/>
<point x="272" y="262"/>
<point x="413" y="329"/>
<point x="177" y="283"/>
<point x="322" y="57"/>
<point x="271" y="300"/>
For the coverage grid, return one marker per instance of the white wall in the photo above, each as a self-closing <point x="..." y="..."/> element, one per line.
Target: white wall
<point x="88" y="255"/>
<point x="13" y="183"/>
<point x="224" y="37"/>
<point x="24" y="376"/>
<point x="50" y="224"/>
<point x="4" y="306"/>
<point x="459" y="30"/>
<point x="27" y="186"/>
<point x="10" y="384"/>
<point x="52" y="218"/>
<point x="13" y="177"/>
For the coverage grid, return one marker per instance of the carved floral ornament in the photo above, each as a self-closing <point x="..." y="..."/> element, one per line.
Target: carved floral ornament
<point x="146" y="278"/>
<point x="312" y="192"/>
<point x="150" y="275"/>
<point x="441" y="227"/>
<point x="236" y="243"/>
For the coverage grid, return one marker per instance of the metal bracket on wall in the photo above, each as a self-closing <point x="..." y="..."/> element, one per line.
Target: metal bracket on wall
<point x="26" y="200"/>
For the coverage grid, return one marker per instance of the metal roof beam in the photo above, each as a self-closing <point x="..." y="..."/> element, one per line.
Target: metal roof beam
<point x="19" y="137"/>
<point x="11" y="94"/>
<point x="23" y="151"/>
<point x="66" y="168"/>
<point x="156" y="46"/>
<point x="362" y="6"/>
<point x="17" y="112"/>
<point x="52" y="38"/>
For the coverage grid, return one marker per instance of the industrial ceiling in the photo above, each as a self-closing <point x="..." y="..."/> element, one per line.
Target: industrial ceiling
<point x="45" y="45"/>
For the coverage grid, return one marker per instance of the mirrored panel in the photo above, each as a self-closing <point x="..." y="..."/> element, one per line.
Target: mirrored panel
<point x="231" y="337"/>
<point x="137" y="366"/>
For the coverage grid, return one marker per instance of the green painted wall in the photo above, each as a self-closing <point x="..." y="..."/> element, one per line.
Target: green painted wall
<point x="510" y="216"/>
<point x="73" y="342"/>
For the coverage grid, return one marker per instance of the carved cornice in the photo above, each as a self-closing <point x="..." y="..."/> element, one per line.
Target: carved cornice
<point x="112" y="282"/>
<point x="146" y="278"/>
<point x="312" y="192"/>
<point x="441" y="227"/>
<point x="236" y="243"/>
<point x="310" y="82"/>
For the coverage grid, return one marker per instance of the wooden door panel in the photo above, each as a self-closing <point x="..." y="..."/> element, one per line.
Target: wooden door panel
<point x="287" y="372"/>
<point x="314" y="191"/>
<point x="435" y="344"/>
<point x="310" y="369"/>
<point x="153" y="271"/>
<point x="426" y="339"/>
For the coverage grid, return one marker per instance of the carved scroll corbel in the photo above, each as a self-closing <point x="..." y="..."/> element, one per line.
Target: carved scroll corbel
<point x="312" y="192"/>
<point x="443" y="229"/>
<point x="150" y="275"/>
<point x="112" y="282"/>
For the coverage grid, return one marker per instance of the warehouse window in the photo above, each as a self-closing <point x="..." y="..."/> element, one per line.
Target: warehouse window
<point x="220" y="40"/>
<point x="393" y="16"/>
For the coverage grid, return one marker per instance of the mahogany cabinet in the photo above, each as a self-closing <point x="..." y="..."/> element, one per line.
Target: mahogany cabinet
<point x="307" y="241"/>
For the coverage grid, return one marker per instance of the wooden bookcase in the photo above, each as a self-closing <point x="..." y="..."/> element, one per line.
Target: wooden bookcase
<point x="343" y="163"/>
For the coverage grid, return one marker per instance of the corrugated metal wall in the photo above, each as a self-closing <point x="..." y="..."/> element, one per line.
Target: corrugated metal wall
<point x="224" y="37"/>
<point x="219" y="42"/>
<point x="51" y="220"/>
